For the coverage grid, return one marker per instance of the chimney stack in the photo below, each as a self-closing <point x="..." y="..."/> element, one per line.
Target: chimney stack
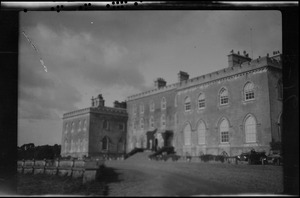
<point x="183" y="76"/>
<point x="98" y="101"/>
<point x="160" y="82"/>
<point x="237" y="59"/>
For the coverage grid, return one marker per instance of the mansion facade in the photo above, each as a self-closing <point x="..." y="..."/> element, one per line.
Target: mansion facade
<point x="226" y="112"/>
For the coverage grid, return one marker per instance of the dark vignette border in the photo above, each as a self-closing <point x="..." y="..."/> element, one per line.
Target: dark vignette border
<point x="9" y="35"/>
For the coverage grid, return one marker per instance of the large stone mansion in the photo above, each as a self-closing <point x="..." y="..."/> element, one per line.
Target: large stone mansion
<point x="225" y="112"/>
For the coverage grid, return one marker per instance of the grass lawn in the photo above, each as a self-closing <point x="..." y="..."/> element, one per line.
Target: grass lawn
<point x="40" y="184"/>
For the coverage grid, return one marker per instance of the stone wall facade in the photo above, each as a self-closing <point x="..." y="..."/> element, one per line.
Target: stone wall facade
<point x="240" y="109"/>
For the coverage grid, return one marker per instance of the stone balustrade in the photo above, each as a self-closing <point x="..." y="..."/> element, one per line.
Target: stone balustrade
<point x="85" y="169"/>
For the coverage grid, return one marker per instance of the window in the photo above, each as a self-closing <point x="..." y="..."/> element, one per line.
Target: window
<point x="134" y="109"/>
<point x="201" y="101"/>
<point x="175" y="119"/>
<point x="249" y="91"/>
<point x="280" y="90"/>
<point x="105" y="142"/>
<point x="163" y="103"/>
<point x="141" y="108"/>
<point x="72" y="146"/>
<point x="105" y="125"/>
<point x="187" y="134"/>
<point x="133" y="123"/>
<point x="224" y="130"/>
<point x="223" y="96"/>
<point x="187" y="104"/>
<point x="121" y="126"/>
<point x="163" y="121"/>
<point x="73" y="126"/>
<point x="175" y="101"/>
<point x="142" y="123"/>
<point x="250" y="129"/>
<point x="66" y="127"/>
<point x="79" y="126"/>
<point x="66" y="146"/>
<point x="152" y="106"/>
<point x="84" y="125"/>
<point x="151" y="122"/>
<point x="201" y="132"/>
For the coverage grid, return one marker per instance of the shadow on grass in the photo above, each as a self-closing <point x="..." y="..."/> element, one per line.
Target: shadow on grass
<point x="107" y="175"/>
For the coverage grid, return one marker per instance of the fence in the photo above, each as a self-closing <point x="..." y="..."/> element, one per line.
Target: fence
<point x="87" y="169"/>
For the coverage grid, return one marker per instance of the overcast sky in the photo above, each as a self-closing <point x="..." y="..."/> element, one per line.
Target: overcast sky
<point x="120" y="53"/>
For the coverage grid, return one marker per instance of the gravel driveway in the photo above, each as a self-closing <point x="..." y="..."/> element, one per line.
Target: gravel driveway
<point x="139" y="176"/>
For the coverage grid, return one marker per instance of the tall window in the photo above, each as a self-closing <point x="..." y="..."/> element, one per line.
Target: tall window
<point x="105" y="142"/>
<point x="152" y="106"/>
<point x="142" y="123"/>
<point x="249" y="91"/>
<point x="73" y="126"/>
<point x="201" y="132"/>
<point x="79" y="126"/>
<point x="280" y="90"/>
<point x="66" y="127"/>
<point x="66" y="146"/>
<point x="201" y="101"/>
<point x="105" y="125"/>
<point x="187" y="104"/>
<point x="121" y="126"/>
<point x="141" y="108"/>
<point x="163" y="103"/>
<point x="224" y="130"/>
<point x="151" y="122"/>
<point x="175" y="101"/>
<point x="163" y="121"/>
<point x="84" y="125"/>
<point x="250" y="129"/>
<point x="134" y="109"/>
<point x="187" y="132"/>
<point x="223" y="96"/>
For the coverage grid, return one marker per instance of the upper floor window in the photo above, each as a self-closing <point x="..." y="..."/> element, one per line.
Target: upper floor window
<point x="151" y="122"/>
<point x="249" y="91"/>
<point x="163" y="121"/>
<point x="280" y="90"/>
<point x="105" y="142"/>
<point x="250" y="129"/>
<point x="84" y="125"/>
<point x="187" y="104"/>
<point x="142" y="123"/>
<point x="163" y="103"/>
<point x="223" y="96"/>
<point x="79" y="126"/>
<point x="141" y="108"/>
<point x="201" y="101"/>
<point x="66" y="127"/>
<point x="175" y="101"/>
<point x="152" y="106"/>
<point x="121" y="126"/>
<point x="133" y="123"/>
<point x="134" y="109"/>
<point x="224" y="131"/>
<point x="105" y="125"/>
<point x="73" y="126"/>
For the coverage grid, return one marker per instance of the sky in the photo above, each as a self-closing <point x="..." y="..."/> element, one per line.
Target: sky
<point x="121" y="53"/>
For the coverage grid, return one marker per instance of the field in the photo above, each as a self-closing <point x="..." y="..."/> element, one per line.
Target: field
<point x="137" y="176"/>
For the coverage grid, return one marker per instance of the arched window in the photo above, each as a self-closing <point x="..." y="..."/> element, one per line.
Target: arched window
<point x="187" y="104"/>
<point x="73" y="127"/>
<point x="105" y="125"/>
<point x="201" y="101"/>
<point x="151" y="122"/>
<point x="175" y="101"/>
<point x="163" y="121"/>
<point x="84" y="125"/>
<point x="201" y="132"/>
<point x="142" y="123"/>
<point x="141" y="108"/>
<point x="163" y="103"/>
<point x="152" y="106"/>
<point x="66" y="146"/>
<point x="250" y="129"/>
<point x="280" y="90"/>
<point x="79" y="126"/>
<point x="66" y="127"/>
<point x="134" y="109"/>
<point x="133" y="123"/>
<point x="187" y="132"/>
<point x="249" y="91"/>
<point x="224" y="131"/>
<point x="223" y="96"/>
<point x="105" y="142"/>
